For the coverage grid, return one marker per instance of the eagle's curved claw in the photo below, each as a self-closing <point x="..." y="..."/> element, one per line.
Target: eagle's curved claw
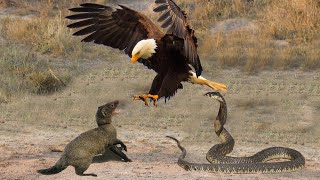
<point x="154" y="98"/>
<point x="141" y="97"/>
<point x="144" y="98"/>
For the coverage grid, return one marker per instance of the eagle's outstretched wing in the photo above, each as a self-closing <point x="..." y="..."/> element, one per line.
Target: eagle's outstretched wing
<point x="120" y="28"/>
<point x="174" y="18"/>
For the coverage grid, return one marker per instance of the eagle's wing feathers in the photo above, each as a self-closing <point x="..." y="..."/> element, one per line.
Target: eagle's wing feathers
<point x="120" y="28"/>
<point x="177" y="23"/>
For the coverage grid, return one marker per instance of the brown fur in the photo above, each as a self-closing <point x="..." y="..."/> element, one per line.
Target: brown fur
<point x="80" y="151"/>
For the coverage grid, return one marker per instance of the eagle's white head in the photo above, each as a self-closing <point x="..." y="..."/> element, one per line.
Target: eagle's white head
<point x="144" y="49"/>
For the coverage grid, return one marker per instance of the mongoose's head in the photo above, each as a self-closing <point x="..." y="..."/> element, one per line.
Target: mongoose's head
<point x="105" y="112"/>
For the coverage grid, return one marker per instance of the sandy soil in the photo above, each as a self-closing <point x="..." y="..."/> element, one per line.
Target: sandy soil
<point x="268" y="109"/>
<point x="278" y="109"/>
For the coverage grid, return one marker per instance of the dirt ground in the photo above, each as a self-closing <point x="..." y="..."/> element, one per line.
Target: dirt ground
<point x="269" y="109"/>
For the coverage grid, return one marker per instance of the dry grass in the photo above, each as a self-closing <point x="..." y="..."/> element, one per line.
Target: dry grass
<point x="286" y="33"/>
<point x="45" y="82"/>
<point x="255" y="102"/>
<point x="43" y="26"/>
<point x="204" y="13"/>
<point x="4" y="96"/>
<point x="280" y="35"/>
<point x="26" y="72"/>
<point x="275" y="35"/>
<point x="294" y="20"/>
<point x="41" y="33"/>
<point x="47" y="35"/>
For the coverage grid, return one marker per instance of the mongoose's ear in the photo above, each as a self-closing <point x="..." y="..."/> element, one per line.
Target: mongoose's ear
<point x="104" y="111"/>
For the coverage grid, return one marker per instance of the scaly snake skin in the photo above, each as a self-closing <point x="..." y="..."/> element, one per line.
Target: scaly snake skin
<point x="252" y="164"/>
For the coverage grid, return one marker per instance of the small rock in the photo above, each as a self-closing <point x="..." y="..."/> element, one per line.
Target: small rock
<point x="55" y="149"/>
<point x="281" y="43"/>
<point x="234" y="25"/>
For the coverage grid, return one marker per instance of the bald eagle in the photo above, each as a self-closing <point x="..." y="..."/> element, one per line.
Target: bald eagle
<point x="169" y="54"/>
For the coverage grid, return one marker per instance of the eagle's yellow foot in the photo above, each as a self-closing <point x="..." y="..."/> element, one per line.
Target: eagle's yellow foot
<point x="141" y="97"/>
<point x="144" y="98"/>
<point x="203" y="81"/>
<point x="154" y="98"/>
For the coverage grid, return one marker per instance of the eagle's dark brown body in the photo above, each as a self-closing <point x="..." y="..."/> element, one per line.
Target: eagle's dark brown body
<point x="170" y="65"/>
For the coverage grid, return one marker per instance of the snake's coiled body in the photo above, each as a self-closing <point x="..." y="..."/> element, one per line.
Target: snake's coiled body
<point x="258" y="163"/>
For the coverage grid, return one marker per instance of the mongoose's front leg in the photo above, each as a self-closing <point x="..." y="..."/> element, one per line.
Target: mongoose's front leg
<point x="117" y="141"/>
<point x="115" y="149"/>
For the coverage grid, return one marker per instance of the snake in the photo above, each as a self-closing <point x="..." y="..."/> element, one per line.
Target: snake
<point x="291" y="160"/>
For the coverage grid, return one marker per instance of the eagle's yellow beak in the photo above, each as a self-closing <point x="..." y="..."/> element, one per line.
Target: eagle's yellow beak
<point x="135" y="58"/>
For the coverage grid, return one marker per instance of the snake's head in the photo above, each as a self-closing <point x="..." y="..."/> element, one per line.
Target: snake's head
<point x="216" y="95"/>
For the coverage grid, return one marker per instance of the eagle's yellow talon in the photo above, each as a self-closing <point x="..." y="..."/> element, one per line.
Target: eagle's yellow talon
<point x="136" y="98"/>
<point x="146" y="103"/>
<point x="144" y="98"/>
<point x="154" y="98"/>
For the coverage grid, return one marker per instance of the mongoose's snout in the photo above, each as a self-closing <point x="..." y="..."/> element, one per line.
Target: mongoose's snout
<point x="116" y="110"/>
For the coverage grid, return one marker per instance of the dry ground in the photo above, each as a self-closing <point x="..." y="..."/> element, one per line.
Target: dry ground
<point x="270" y="109"/>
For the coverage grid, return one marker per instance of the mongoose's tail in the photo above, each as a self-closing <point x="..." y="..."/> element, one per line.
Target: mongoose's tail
<point x="58" y="167"/>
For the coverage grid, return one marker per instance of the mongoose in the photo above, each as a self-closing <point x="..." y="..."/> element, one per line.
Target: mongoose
<point x="80" y="151"/>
